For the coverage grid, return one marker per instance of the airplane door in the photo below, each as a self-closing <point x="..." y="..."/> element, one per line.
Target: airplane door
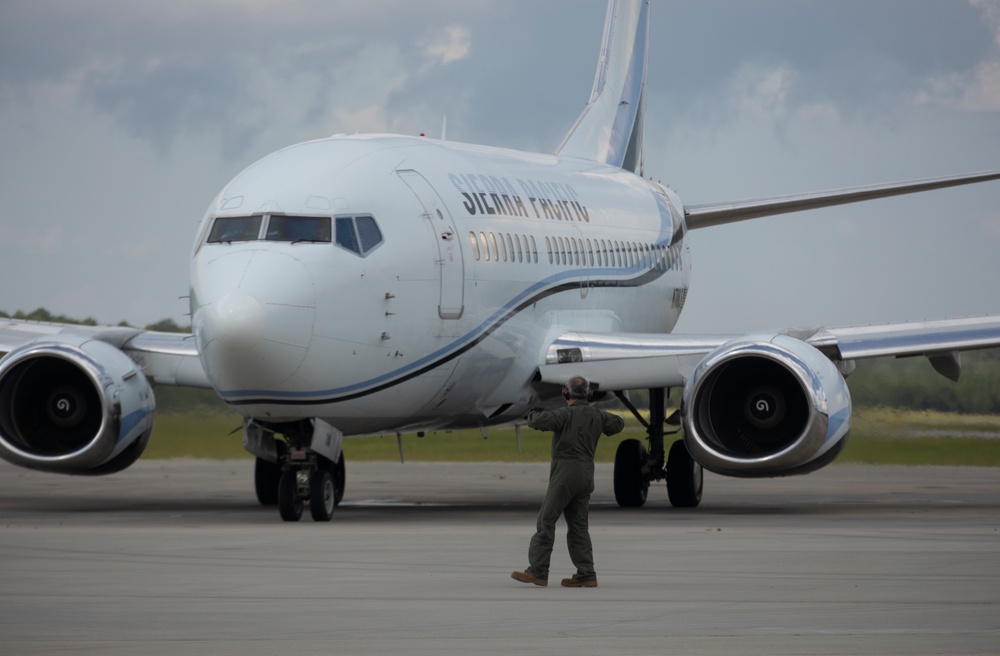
<point x="449" y="250"/>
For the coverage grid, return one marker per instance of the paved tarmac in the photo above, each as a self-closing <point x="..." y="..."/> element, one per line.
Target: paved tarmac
<point x="176" y="557"/>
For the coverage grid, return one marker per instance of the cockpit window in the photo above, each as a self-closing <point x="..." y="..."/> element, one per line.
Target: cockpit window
<point x="368" y="230"/>
<point x="298" y="228"/>
<point x="359" y="234"/>
<point x="235" y="228"/>
<point x="346" y="236"/>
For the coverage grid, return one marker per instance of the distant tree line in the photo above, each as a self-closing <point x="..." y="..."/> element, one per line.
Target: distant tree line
<point x="913" y="384"/>
<point x="41" y="314"/>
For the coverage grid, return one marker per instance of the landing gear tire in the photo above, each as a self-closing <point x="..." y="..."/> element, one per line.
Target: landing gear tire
<point x="338" y="471"/>
<point x="289" y="501"/>
<point x="322" y="496"/>
<point x="631" y="484"/>
<point x="266" y="478"/>
<point x="685" y="477"/>
<point x="339" y="479"/>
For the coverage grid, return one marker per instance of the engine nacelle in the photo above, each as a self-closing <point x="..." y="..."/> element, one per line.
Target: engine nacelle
<point x="773" y="406"/>
<point x="73" y="405"/>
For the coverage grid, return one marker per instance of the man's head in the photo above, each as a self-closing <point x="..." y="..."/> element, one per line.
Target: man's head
<point x="578" y="388"/>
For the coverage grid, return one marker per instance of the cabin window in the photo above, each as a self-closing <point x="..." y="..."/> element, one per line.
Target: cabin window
<point x="493" y="247"/>
<point x="485" y="248"/>
<point x="475" y="245"/>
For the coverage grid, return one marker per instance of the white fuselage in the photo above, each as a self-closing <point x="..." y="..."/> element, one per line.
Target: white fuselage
<point x="440" y="318"/>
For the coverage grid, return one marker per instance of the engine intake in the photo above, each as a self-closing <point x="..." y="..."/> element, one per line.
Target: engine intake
<point x="769" y="407"/>
<point x="74" y="405"/>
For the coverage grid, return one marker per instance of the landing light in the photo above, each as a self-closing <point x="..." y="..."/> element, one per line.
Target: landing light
<point x="565" y="356"/>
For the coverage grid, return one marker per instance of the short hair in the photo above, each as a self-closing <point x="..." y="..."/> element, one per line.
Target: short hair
<point x="579" y="387"/>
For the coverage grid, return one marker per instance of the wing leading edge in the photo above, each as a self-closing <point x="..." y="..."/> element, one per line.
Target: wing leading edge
<point x="165" y="358"/>
<point x="713" y="214"/>
<point x="633" y="361"/>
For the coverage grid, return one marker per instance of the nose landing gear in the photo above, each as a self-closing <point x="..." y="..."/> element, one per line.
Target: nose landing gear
<point x="313" y="480"/>
<point x="307" y="468"/>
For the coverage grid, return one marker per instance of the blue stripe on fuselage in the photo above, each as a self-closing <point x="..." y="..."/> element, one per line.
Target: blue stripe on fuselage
<point x="568" y="280"/>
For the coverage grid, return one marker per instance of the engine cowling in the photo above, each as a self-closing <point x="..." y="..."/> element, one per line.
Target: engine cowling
<point x="767" y="406"/>
<point x="73" y="405"/>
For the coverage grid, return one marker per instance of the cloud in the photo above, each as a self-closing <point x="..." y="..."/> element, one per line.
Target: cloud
<point x="47" y="242"/>
<point x="762" y="92"/>
<point x="451" y="45"/>
<point x="991" y="12"/>
<point x="773" y="94"/>
<point x="989" y="224"/>
<point x="231" y="74"/>
<point x="365" y="119"/>
<point x="976" y="90"/>
<point x="159" y="98"/>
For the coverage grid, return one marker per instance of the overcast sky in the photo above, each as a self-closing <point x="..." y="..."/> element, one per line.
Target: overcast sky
<point x="121" y="120"/>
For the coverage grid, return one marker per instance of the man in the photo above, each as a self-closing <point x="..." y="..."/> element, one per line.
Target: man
<point x="577" y="427"/>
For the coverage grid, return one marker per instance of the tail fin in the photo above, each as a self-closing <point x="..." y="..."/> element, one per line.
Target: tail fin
<point x="610" y="128"/>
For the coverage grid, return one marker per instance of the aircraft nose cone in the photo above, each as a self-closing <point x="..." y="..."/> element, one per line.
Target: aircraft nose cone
<point x="253" y="319"/>
<point x="237" y="321"/>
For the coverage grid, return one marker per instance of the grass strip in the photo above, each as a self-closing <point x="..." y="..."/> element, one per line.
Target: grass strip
<point x="878" y="437"/>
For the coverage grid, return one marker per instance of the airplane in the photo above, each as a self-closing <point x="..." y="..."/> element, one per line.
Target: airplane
<point x="369" y="284"/>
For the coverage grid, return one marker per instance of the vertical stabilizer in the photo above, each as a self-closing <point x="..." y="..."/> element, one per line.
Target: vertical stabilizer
<point x="610" y="128"/>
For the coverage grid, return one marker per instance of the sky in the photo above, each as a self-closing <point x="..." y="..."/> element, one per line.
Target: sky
<point x="120" y="121"/>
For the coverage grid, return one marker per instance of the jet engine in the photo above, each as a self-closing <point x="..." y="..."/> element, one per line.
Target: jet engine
<point x="772" y="406"/>
<point x="74" y="406"/>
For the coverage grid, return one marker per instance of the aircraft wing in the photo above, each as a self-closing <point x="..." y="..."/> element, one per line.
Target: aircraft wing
<point x="708" y="215"/>
<point x="165" y="358"/>
<point x="616" y="361"/>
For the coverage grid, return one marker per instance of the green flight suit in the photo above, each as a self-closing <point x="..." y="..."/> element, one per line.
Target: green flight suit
<point x="577" y="428"/>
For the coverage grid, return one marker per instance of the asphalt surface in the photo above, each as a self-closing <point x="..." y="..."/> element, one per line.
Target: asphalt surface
<point x="176" y="557"/>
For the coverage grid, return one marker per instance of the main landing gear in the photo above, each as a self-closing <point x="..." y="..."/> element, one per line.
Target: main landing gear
<point x="636" y="467"/>
<point x="293" y="473"/>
